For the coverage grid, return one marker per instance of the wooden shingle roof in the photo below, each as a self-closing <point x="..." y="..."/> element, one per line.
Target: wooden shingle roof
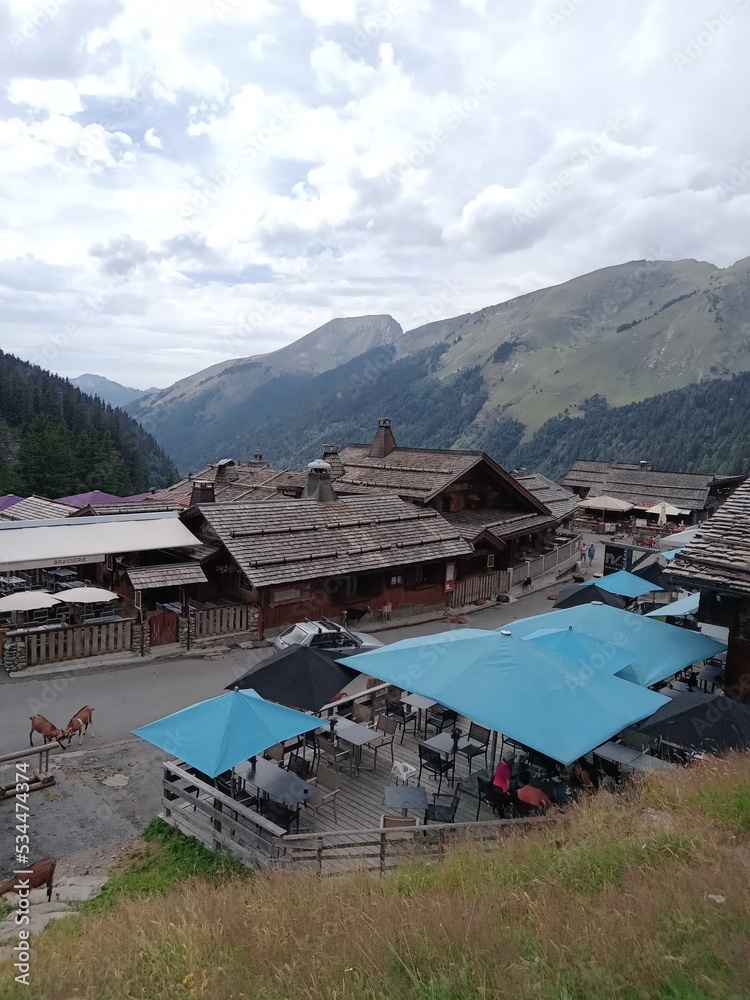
<point x="283" y="541"/>
<point x="233" y="483"/>
<point x="556" y="498"/>
<point x="637" y="485"/>
<point x="501" y="524"/>
<point x="718" y="558"/>
<point x="167" y="575"/>
<point x="37" y="509"/>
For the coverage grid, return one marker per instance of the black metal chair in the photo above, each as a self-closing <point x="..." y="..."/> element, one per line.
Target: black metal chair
<point x="403" y="717"/>
<point x="300" y="766"/>
<point x="480" y="745"/>
<point x="281" y="815"/>
<point x="432" y="761"/>
<point x="443" y="814"/>
<point x="439" y="718"/>
<point x="491" y="795"/>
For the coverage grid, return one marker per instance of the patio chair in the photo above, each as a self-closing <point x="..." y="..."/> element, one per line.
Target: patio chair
<point x="403" y="717"/>
<point x="280" y="815"/>
<point x="363" y="714"/>
<point x="300" y="766"/>
<point x="439" y="717"/>
<point x="480" y="745"/>
<point x="388" y="728"/>
<point x="639" y="741"/>
<point x="402" y="771"/>
<point x="432" y="761"/>
<point x="276" y="752"/>
<point x="443" y="814"/>
<point x="328" y="783"/>
<point x="333" y="754"/>
<point x="493" y="796"/>
<point x="405" y="823"/>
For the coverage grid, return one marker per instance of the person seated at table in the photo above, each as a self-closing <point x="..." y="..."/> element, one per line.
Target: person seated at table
<point x="580" y="776"/>
<point x="502" y="776"/>
<point x="530" y="794"/>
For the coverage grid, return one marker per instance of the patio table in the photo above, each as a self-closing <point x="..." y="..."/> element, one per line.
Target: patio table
<point x="616" y="753"/>
<point x="282" y="786"/>
<point x="559" y="792"/>
<point x="356" y="736"/>
<point x="405" y="797"/>
<point x="443" y="743"/>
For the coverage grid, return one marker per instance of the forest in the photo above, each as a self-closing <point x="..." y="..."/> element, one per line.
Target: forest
<point x="56" y="441"/>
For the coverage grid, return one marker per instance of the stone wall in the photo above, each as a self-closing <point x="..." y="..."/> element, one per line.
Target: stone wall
<point x="14" y="654"/>
<point x="141" y="634"/>
<point x="186" y="632"/>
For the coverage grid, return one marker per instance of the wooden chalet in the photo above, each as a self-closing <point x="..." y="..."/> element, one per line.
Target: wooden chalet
<point x="316" y="555"/>
<point x="642" y="485"/>
<point x="717" y="563"/>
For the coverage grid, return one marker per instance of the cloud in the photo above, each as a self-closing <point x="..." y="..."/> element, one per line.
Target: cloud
<point x="168" y="170"/>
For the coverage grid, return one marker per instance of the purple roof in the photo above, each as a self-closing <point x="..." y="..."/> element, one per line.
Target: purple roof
<point x="8" y="500"/>
<point x="84" y="499"/>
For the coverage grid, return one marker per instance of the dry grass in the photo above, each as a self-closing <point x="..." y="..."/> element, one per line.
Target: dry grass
<point x="614" y="904"/>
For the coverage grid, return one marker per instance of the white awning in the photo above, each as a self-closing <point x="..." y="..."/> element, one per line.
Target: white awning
<point x="70" y="541"/>
<point x="605" y="503"/>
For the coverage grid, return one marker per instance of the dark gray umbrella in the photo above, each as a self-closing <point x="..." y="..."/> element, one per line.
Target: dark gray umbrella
<point x="571" y="597"/>
<point x="706" y="723"/>
<point x="299" y="677"/>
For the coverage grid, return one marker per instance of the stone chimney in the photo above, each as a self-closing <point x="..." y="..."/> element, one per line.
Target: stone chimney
<point x="202" y="493"/>
<point x="384" y="442"/>
<point x="318" y="486"/>
<point x="226" y="471"/>
<point x="332" y="457"/>
<point x="258" y="461"/>
<point x="645" y="466"/>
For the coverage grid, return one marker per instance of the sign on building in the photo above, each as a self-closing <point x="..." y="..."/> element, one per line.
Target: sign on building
<point x="617" y="558"/>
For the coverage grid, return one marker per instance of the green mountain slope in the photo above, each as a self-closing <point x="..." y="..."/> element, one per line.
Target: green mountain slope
<point x="55" y="441"/>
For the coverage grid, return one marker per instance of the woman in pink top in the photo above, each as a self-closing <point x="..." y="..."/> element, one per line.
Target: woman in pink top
<point x="502" y="776"/>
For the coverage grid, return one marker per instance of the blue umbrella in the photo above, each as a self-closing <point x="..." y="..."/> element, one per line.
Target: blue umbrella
<point x="623" y="584"/>
<point x="685" y="606"/>
<point x="658" y="650"/>
<point x="592" y="654"/>
<point x="529" y="694"/>
<point x="217" y="734"/>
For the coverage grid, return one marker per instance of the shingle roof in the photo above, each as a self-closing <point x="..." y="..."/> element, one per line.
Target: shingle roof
<point x="167" y="575"/>
<point x="237" y="482"/>
<point x="150" y="506"/>
<point x="502" y="524"/>
<point x="283" y="541"/>
<point x="718" y="558"/>
<point x="559" y="501"/>
<point x="37" y="509"/>
<point x="643" y="486"/>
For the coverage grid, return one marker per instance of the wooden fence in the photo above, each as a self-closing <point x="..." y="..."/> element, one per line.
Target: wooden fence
<point x="74" y="642"/>
<point x="224" y="620"/>
<point x="41" y="777"/>
<point x="502" y="581"/>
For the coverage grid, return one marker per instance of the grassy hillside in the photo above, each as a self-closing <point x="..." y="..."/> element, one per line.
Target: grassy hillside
<point x="55" y="440"/>
<point x="639" y="897"/>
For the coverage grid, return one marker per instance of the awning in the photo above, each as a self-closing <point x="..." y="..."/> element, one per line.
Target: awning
<point x="685" y="606"/>
<point x="605" y="503"/>
<point x="70" y="541"/>
<point x="679" y="538"/>
<point x="624" y="584"/>
<point x="168" y="575"/>
<point x="669" y="510"/>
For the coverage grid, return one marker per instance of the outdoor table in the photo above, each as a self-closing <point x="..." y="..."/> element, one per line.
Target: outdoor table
<point x="646" y="763"/>
<point x="405" y="797"/>
<point x="280" y="785"/>
<point x="616" y="753"/>
<point x="14" y="580"/>
<point x="356" y="736"/>
<point x="710" y="674"/>
<point x="559" y="792"/>
<point x="443" y="743"/>
<point x="71" y="584"/>
<point x="421" y="704"/>
<point x="62" y="573"/>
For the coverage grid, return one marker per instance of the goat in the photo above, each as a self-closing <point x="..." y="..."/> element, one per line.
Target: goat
<point x="80" y="724"/>
<point x="354" y="614"/>
<point x="454" y="619"/>
<point x="527" y="583"/>
<point x="386" y="610"/>
<point x="46" y="729"/>
<point x="40" y="873"/>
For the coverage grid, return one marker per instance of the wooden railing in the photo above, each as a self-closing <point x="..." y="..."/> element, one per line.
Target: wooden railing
<point x="76" y="641"/>
<point x="40" y="778"/>
<point x="224" y="620"/>
<point x="379" y="850"/>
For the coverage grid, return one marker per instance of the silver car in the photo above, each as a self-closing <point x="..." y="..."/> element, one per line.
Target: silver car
<point x="325" y="634"/>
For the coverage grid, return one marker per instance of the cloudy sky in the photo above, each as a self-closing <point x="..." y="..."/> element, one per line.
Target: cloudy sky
<point x="186" y="181"/>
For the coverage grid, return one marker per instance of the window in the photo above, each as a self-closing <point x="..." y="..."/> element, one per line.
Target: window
<point x="491" y="560"/>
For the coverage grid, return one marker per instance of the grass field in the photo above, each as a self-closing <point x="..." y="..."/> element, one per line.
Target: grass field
<point x="643" y="895"/>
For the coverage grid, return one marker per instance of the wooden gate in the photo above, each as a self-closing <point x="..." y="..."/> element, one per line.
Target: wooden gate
<point x="163" y="628"/>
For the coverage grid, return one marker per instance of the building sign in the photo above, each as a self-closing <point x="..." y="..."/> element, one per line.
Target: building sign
<point x="450" y="577"/>
<point x="617" y="558"/>
<point x="47" y="563"/>
<point x="458" y="487"/>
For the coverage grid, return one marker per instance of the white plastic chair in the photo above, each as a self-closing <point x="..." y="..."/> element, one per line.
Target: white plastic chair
<point x="402" y="771"/>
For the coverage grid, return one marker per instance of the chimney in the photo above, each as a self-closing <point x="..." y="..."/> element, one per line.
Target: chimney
<point x="332" y="457"/>
<point x="645" y="466"/>
<point x="226" y="471"/>
<point x="318" y="486"/>
<point x="384" y="442"/>
<point x="202" y="493"/>
<point x="258" y="461"/>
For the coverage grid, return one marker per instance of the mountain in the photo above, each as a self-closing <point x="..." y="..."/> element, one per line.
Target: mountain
<point x="107" y="390"/>
<point x="55" y="440"/>
<point x="625" y="333"/>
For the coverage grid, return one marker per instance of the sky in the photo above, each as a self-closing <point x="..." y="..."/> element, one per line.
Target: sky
<point x="188" y="181"/>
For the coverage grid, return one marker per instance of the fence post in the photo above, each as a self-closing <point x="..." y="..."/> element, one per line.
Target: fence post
<point x="320" y="855"/>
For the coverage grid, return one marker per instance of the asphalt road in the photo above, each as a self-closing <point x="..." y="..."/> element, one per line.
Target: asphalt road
<point x="109" y="788"/>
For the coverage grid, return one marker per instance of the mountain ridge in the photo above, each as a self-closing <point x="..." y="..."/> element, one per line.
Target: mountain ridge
<point x="108" y="390"/>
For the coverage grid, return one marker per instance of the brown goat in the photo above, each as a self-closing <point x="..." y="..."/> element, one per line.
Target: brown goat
<point x="80" y="723"/>
<point x="40" y="873"/>
<point x="45" y="728"/>
<point x="454" y="619"/>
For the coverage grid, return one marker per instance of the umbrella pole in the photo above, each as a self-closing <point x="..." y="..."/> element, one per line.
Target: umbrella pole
<point x="494" y="751"/>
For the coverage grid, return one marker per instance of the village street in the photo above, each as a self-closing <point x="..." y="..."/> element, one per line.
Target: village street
<point x="108" y="789"/>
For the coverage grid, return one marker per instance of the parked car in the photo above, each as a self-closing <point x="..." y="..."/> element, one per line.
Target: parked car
<point x="325" y="634"/>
